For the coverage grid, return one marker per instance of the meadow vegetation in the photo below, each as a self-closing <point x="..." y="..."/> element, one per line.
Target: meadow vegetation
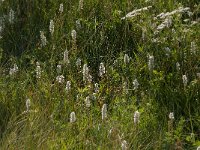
<point x="100" y="74"/>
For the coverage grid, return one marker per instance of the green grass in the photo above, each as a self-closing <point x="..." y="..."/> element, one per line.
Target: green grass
<point x="102" y="36"/>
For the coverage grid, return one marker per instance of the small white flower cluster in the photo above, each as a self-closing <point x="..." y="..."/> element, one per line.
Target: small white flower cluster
<point x="14" y="69"/>
<point x="43" y="39"/>
<point x="11" y="16"/>
<point x="136" y="12"/>
<point x="51" y="27"/>
<point x="102" y="69"/>
<point x="61" y="8"/>
<point x="38" y="70"/>
<point x="60" y="79"/>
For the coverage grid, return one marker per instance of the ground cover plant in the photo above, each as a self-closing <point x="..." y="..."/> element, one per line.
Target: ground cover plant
<point x="100" y="74"/>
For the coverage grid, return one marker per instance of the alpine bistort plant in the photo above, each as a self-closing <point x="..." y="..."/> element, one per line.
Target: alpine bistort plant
<point x="72" y="117"/>
<point x="68" y="86"/>
<point x="193" y="47"/>
<point x="74" y="35"/>
<point x="178" y="68"/>
<point x="126" y="59"/>
<point x="51" y="27"/>
<point x="87" y="101"/>
<point x="104" y="111"/>
<point x="43" y="39"/>
<point x="13" y="70"/>
<point x="136" y="117"/>
<point x="125" y="87"/>
<point x="28" y="104"/>
<point x="59" y="69"/>
<point x="66" y="57"/>
<point x="198" y="75"/>
<point x="171" y="116"/>
<point x="11" y="16"/>
<point x="61" y="8"/>
<point x="96" y="87"/>
<point x="85" y="72"/>
<point x="80" y="7"/>
<point x="124" y="145"/>
<point x="135" y="84"/>
<point x="185" y="80"/>
<point x="151" y="62"/>
<point x="38" y="70"/>
<point x="60" y="79"/>
<point x="170" y="122"/>
<point x="102" y="70"/>
<point x="78" y="24"/>
<point x="78" y="63"/>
